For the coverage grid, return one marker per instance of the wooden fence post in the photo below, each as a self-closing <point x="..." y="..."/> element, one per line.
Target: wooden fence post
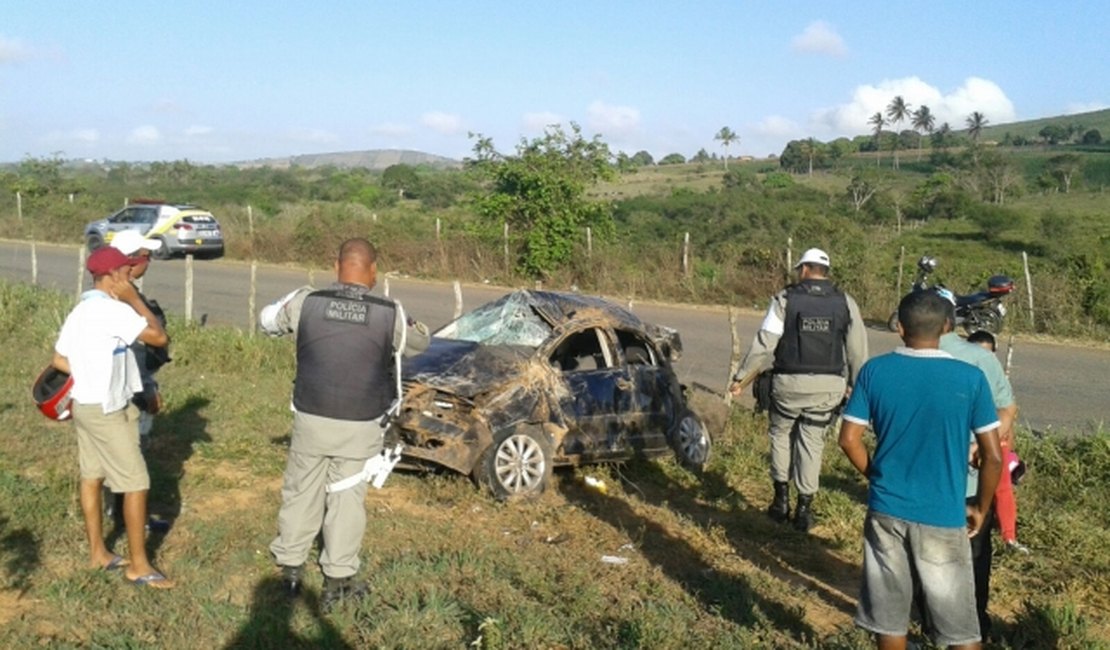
<point x="734" y="360"/>
<point x="789" y="255"/>
<point x="901" y="265"/>
<point x="385" y="287"/>
<point x="505" y="239"/>
<point x="686" y="254"/>
<point x="437" y="229"/>
<point x="589" y="242"/>
<point x="1029" y="289"/>
<point x="19" y="204"/>
<point x="80" y="270"/>
<point x="251" y="318"/>
<point x="34" y="264"/>
<point x="458" y="299"/>
<point x="189" y="288"/>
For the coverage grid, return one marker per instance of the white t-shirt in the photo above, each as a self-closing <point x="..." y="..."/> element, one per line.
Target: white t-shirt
<point x="95" y="338"/>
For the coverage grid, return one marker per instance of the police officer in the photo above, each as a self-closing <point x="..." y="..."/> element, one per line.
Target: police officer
<point x="345" y="383"/>
<point x="814" y="341"/>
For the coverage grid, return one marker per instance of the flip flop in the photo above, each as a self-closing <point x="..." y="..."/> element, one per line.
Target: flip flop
<point x="149" y="580"/>
<point x="115" y="563"/>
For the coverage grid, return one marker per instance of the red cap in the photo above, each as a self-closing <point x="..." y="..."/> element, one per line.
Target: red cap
<point x="106" y="259"/>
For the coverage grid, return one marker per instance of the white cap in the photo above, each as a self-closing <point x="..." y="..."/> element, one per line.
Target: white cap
<point x="130" y="242"/>
<point x="814" y="256"/>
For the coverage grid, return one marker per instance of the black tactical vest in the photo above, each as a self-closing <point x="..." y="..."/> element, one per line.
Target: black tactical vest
<point x="344" y="354"/>
<point x="816" y="328"/>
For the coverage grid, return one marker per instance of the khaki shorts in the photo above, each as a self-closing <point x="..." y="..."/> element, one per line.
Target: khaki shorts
<point x="108" y="447"/>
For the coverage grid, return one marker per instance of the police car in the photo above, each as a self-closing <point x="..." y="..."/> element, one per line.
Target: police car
<point x="182" y="229"/>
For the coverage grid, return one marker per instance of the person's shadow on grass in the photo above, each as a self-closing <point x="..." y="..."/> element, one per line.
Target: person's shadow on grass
<point x="21" y="554"/>
<point x="729" y="593"/>
<point x="270" y="624"/>
<point x="172" y="441"/>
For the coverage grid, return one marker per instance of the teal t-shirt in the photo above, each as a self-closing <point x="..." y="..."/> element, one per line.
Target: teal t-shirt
<point x="922" y="405"/>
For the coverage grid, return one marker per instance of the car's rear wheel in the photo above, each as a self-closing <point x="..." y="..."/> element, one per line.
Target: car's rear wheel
<point x="94" y="241"/>
<point x="892" y="322"/>
<point x="517" y="464"/>
<point x="163" y="252"/>
<point x="691" y="441"/>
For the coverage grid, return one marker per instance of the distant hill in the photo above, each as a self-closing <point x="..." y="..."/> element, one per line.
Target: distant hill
<point x="1030" y="129"/>
<point x="372" y="159"/>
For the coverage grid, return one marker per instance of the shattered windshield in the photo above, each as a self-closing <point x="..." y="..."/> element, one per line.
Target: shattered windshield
<point x="507" y="321"/>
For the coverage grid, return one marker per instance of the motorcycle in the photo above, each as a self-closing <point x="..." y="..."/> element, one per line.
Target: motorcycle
<point x="982" y="310"/>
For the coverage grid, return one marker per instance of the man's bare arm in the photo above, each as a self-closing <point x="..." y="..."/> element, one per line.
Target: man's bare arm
<point x="851" y="441"/>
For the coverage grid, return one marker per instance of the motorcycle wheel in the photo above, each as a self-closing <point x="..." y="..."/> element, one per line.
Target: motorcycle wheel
<point x="986" y="320"/>
<point x="892" y="322"/>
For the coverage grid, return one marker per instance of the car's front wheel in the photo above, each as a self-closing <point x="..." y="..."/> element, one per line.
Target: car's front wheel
<point x="691" y="441"/>
<point x="517" y="464"/>
<point x="94" y="241"/>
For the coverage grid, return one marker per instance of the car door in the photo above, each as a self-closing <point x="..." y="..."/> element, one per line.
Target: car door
<point x="125" y="219"/>
<point x="651" y="405"/>
<point x="594" y="394"/>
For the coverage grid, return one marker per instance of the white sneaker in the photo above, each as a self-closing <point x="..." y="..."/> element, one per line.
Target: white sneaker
<point x="1017" y="547"/>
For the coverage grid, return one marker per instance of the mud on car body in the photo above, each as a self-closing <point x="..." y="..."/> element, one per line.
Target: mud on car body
<point x="538" y="379"/>
<point x="182" y="229"/>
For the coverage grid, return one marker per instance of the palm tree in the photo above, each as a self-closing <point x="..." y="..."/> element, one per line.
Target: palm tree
<point x="878" y="121"/>
<point x="897" y="111"/>
<point x="727" y="136"/>
<point x="923" y="122"/>
<point x="975" y="123"/>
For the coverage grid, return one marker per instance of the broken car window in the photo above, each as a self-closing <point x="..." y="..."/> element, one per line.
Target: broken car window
<point x="508" y="321"/>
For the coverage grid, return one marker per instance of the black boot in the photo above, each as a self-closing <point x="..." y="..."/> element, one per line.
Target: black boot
<point x="337" y="590"/>
<point x="291" y="577"/>
<point x="803" y="514"/>
<point x="779" y="510"/>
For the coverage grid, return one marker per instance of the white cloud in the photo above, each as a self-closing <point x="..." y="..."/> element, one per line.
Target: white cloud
<point x="391" y="129"/>
<point x="975" y="94"/>
<point x="778" y="126"/>
<point x="13" y="50"/>
<point x="612" y="121"/>
<point x="313" y="136"/>
<point x="144" y="135"/>
<point x="541" y="120"/>
<point x="444" y="123"/>
<point x="166" y="105"/>
<point x="76" y="136"/>
<point x="819" y="37"/>
<point x="1084" y="107"/>
<point x="198" y="130"/>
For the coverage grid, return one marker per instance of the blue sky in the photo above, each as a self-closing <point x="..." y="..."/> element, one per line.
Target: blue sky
<point x="227" y="81"/>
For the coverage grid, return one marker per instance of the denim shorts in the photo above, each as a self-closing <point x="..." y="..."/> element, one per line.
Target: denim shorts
<point x="898" y="553"/>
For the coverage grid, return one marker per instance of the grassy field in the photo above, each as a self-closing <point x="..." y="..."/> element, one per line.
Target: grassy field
<point x="701" y="565"/>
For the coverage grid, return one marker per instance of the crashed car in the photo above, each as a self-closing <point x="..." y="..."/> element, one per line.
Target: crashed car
<point x="538" y="379"/>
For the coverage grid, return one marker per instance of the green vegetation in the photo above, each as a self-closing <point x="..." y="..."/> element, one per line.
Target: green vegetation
<point x="451" y="568"/>
<point x="561" y="209"/>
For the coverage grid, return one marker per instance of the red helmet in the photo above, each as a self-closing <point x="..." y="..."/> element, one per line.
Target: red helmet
<point x="52" y="393"/>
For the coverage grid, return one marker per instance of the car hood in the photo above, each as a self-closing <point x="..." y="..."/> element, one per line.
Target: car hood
<point x="464" y="367"/>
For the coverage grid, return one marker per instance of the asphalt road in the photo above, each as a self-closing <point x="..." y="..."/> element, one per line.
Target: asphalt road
<point x="1058" y="387"/>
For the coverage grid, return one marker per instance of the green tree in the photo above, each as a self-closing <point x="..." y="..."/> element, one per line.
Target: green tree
<point x="1054" y="134"/>
<point x="702" y="156"/>
<point x="726" y="136"/>
<point x="877" y="121"/>
<point x="541" y="192"/>
<point x="642" y="159"/>
<point x="976" y="122"/>
<point x="898" y="110"/>
<point x="1064" y="168"/>
<point x="923" y="122"/>
<point x="402" y="179"/>
<point x="1092" y="136"/>
<point x="673" y="159"/>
